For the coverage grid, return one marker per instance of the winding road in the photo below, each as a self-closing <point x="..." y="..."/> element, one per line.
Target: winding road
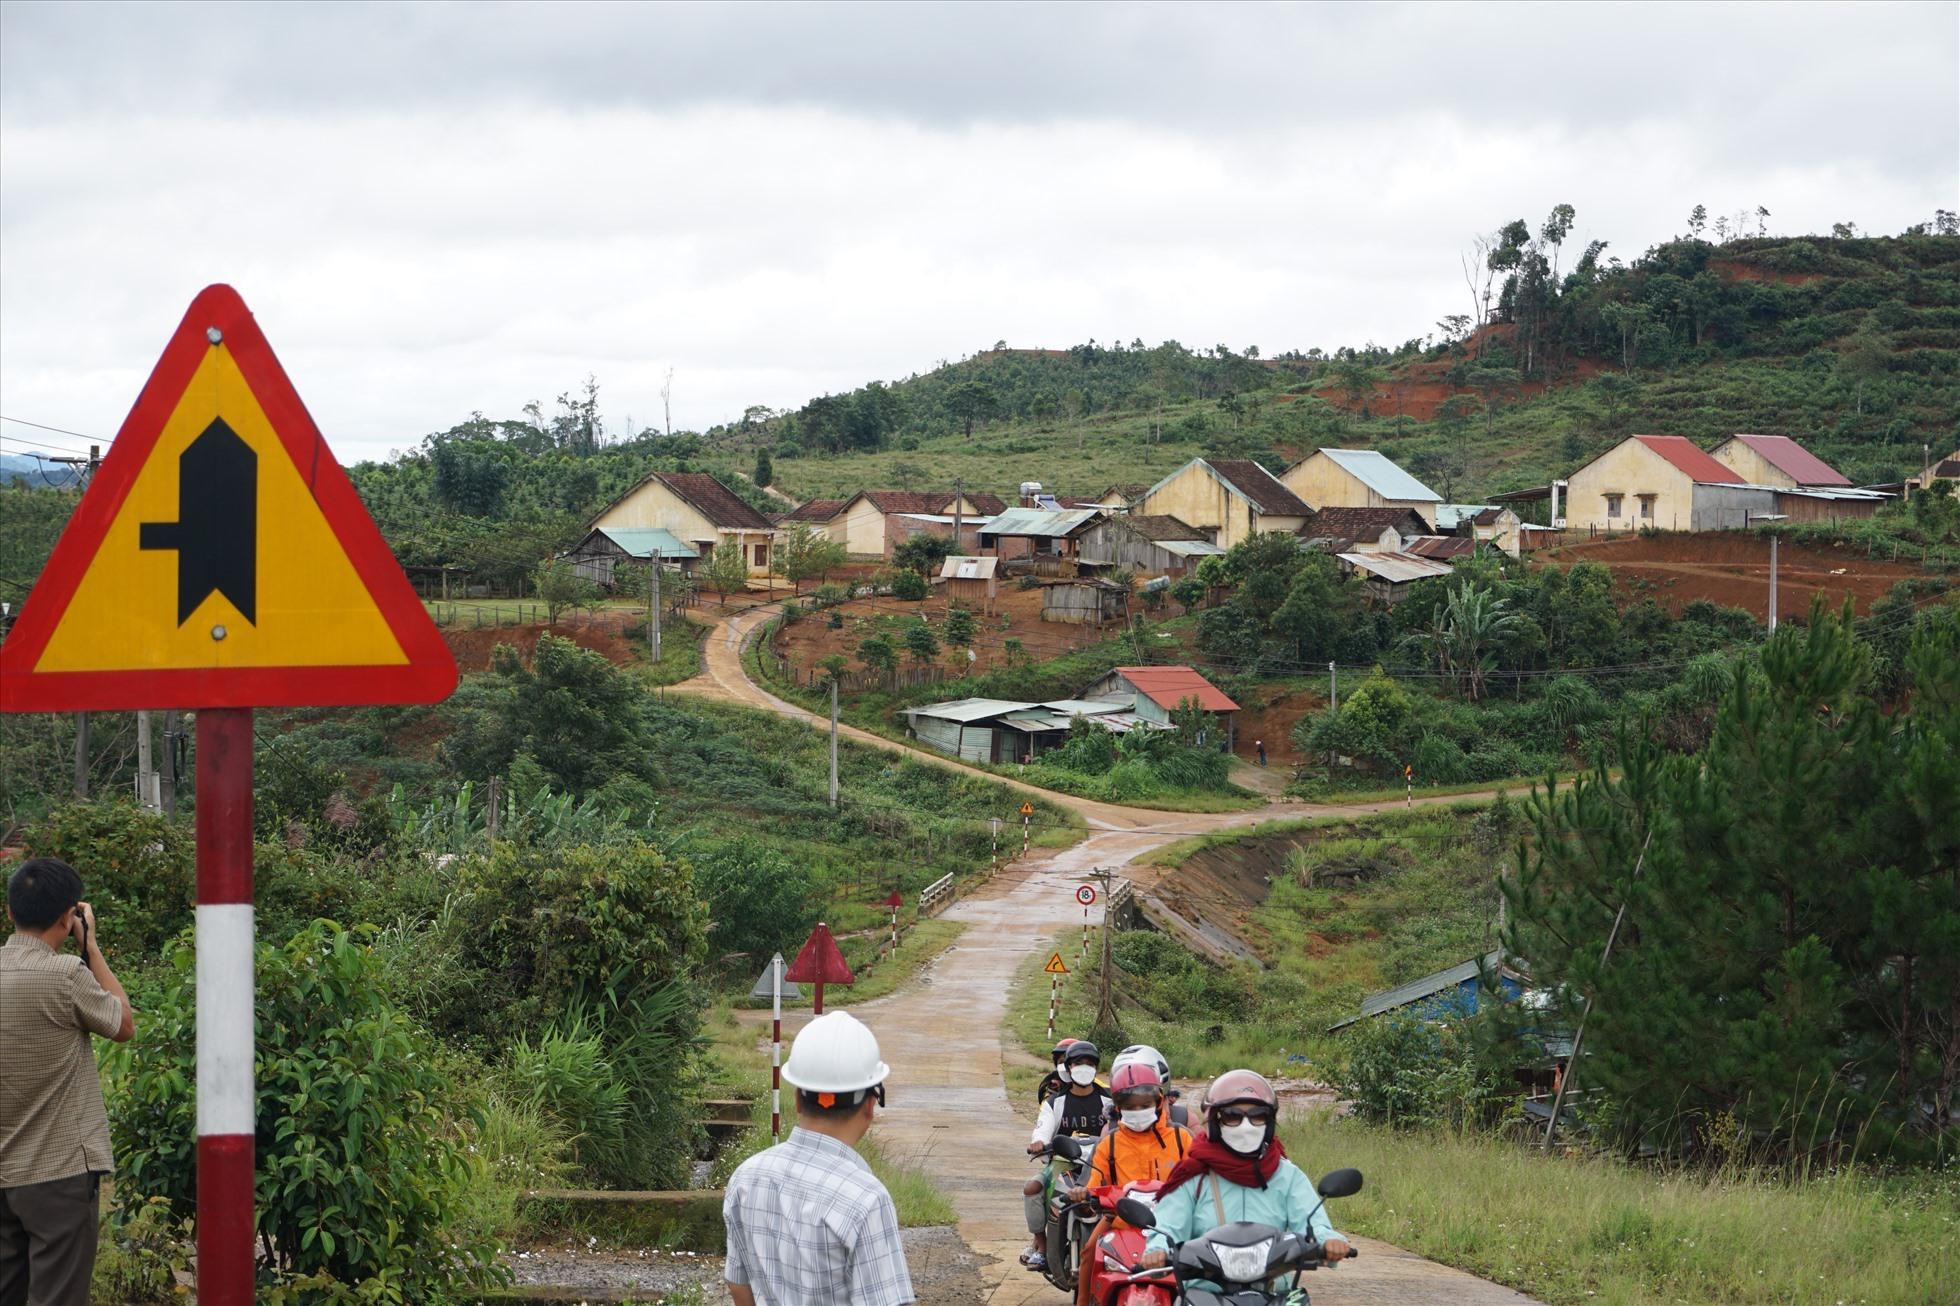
<point x="948" y="1111"/>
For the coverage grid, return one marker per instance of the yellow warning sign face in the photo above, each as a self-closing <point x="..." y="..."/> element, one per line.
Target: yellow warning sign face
<point x="1055" y="965"/>
<point x="306" y="605"/>
<point x="220" y="557"/>
<point x="1027" y="809"/>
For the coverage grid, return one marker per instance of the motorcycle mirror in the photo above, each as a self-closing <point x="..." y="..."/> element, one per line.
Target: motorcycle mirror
<point x="1340" y="1183"/>
<point x="1064" y="1146"/>
<point x="1137" y="1212"/>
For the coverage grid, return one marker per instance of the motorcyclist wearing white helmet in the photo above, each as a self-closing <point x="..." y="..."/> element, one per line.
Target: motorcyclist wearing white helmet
<point x="807" y="1220"/>
<point x="1150" y="1056"/>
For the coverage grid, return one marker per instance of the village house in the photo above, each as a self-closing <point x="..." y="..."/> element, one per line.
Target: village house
<point x="1362" y="530"/>
<point x="1666" y="482"/>
<point x="874" y="522"/>
<point x="1083" y="601"/>
<point x="697" y="510"/>
<point x="1228" y="498"/>
<point x="811" y="512"/>
<point x="607" y="554"/>
<point x="1002" y="730"/>
<point x="1441" y="548"/>
<point x="1359" y="478"/>
<point x="1776" y="460"/>
<point x="1386" y="577"/>
<point x="1940" y="472"/>
<point x="1153" y="693"/>
<point x="1488" y="522"/>
<point x="1050" y="537"/>
<point x="1145" y="543"/>
<point x="1119" y="498"/>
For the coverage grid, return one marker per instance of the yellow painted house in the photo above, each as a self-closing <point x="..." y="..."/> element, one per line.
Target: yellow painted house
<point x="1663" y="482"/>
<point x="1231" y="498"/>
<point x="1359" y="478"/>
<point x="1776" y="460"/>
<point x="697" y="509"/>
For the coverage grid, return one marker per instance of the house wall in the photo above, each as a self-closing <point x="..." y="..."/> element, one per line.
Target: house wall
<point x="1114" y="543"/>
<point x="1799" y="508"/>
<point x="1504" y="533"/>
<point x="1080" y="604"/>
<point x="1197" y="497"/>
<point x="654" y="505"/>
<point x="1729" y="507"/>
<point x="1324" y="483"/>
<point x="861" y="527"/>
<point x="1750" y="465"/>
<point x="1630" y="469"/>
<point x="939" y="733"/>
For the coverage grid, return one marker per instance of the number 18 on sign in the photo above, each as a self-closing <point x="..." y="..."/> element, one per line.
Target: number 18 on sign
<point x="1056" y="968"/>
<point x="220" y="561"/>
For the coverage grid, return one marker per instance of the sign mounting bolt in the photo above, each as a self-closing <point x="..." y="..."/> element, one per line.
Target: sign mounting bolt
<point x="218" y="632"/>
<point x="214" y="335"/>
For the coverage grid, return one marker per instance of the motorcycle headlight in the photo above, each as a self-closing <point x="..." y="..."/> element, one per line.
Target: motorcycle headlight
<point x="1243" y="1264"/>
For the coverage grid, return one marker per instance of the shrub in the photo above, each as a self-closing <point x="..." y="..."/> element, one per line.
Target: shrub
<point x="1406" y="1071"/>
<point x="359" y="1166"/>
<point x="759" y="901"/>
<point x="139" y="871"/>
<point x="909" y="586"/>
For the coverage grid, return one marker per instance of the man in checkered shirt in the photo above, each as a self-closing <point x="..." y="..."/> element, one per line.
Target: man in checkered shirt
<point x="808" y="1222"/>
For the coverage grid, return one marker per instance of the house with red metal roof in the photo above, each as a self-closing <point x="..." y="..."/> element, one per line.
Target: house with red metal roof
<point x="1155" y="692"/>
<point x="1776" y="460"/>
<point x="1662" y="482"/>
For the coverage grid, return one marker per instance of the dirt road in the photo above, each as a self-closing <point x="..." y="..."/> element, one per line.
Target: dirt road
<point x="948" y="1111"/>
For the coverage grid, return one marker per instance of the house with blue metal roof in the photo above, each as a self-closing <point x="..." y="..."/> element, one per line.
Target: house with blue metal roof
<point x="598" y="556"/>
<point x="1447" y="994"/>
<point x="1359" y="478"/>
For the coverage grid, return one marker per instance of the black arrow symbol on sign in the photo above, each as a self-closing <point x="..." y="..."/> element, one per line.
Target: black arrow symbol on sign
<point x="216" y="533"/>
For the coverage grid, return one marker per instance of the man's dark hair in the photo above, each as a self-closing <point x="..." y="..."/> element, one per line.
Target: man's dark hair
<point x="843" y="1105"/>
<point x="42" y="889"/>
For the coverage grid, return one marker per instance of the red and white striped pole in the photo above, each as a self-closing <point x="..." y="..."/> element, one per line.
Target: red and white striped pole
<point x="1054" y="996"/>
<point x="776" y="1050"/>
<point x="224" y="1007"/>
<point x="1085" y="930"/>
<point x="996" y="825"/>
<point x="1026" y="821"/>
<point x="894" y="927"/>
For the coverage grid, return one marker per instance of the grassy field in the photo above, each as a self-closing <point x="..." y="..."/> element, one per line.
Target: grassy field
<point x="680" y="653"/>
<point x="1176" y="854"/>
<point x="1573" y="1229"/>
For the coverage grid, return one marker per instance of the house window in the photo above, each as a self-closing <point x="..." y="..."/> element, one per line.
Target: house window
<point x="762" y="555"/>
<point x="1613" y="504"/>
<point x="1646" y="507"/>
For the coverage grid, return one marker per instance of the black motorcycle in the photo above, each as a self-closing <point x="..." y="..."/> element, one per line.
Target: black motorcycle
<point x="1245" y="1263"/>
<point x="1070" y="1224"/>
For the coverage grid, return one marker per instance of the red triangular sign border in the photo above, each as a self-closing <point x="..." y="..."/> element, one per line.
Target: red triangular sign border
<point x="428" y="676"/>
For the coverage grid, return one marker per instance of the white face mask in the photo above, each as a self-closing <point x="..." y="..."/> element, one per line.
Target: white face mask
<point x="1245" y="1139"/>
<point x="1082" y="1073"/>
<point x="1139" y="1120"/>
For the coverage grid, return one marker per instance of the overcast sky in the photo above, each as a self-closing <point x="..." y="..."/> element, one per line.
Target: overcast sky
<point x="440" y="209"/>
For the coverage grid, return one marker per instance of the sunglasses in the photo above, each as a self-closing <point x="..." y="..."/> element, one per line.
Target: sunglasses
<point x="1239" y="1115"/>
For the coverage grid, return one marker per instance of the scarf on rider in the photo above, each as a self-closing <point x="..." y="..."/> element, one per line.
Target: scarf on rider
<point x="1208" y="1157"/>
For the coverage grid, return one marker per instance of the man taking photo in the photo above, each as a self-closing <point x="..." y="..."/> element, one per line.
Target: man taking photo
<point x="54" y="1134"/>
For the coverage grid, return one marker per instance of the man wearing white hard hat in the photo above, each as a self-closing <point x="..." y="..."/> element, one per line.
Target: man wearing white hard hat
<point x="807" y="1220"/>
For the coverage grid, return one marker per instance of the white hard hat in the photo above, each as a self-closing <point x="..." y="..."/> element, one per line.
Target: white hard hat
<point x="1147" y="1055"/>
<point x="835" y="1053"/>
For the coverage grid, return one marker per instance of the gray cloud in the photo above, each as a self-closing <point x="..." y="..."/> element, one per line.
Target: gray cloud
<point x="434" y="210"/>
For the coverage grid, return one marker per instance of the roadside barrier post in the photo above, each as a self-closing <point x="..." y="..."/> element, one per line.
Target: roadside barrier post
<point x="1027" y="822"/>
<point x="1409" y="786"/>
<point x="1056" y="968"/>
<point x="776" y="1049"/>
<point x="225" y="1101"/>
<point x="995" y="822"/>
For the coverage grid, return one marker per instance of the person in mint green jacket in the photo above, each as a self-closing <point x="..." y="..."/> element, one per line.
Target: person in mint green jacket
<point x="1237" y="1170"/>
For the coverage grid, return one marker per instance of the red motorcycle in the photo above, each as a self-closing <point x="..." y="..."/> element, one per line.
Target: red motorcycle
<point x="1114" y="1279"/>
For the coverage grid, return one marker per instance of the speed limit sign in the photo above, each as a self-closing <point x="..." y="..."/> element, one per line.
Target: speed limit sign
<point x="1086" y="895"/>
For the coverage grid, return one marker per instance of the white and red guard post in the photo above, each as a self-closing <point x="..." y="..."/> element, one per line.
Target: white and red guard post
<point x="142" y="607"/>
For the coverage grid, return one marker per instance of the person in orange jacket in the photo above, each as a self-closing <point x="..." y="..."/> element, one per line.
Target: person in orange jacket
<point x="1144" y="1145"/>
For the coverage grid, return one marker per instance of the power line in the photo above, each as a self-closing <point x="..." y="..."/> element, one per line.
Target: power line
<point x="58" y="430"/>
<point x="43" y="444"/>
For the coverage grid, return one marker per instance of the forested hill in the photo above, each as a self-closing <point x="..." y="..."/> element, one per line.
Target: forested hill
<point x="1849" y="343"/>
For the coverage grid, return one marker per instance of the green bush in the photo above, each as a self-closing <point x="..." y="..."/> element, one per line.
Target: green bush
<point x="759" y="901"/>
<point x="1406" y="1071"/>
<point x="138" y="870"/>
<point x="359" y="1163"/>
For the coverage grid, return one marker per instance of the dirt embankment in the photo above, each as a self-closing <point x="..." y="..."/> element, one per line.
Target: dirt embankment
<point x="1418" y="390"/>
<point x="1730" y="270"/>
<point x="1272" y="718"/>
<point x="1732" y="568"/>
<point x="603" y="634"/>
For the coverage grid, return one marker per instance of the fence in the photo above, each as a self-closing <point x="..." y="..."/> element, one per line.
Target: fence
<point x="936" y="895"/>
<point x="478" y="616"/>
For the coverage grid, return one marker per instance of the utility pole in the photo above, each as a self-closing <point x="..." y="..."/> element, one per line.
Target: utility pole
<point x="1772" y="584"/>
<point x="1333" y="689"/>
<point x="833" y="743"/>
<point x="959" y="492"/>
<point x="653" y="605"/>
<point x="1579" y="1034"/>
<point x="1106" y="1011"/>
<point x="146" y="772"/>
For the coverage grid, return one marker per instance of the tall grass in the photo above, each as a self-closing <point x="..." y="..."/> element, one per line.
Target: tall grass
<point x="1584" y="1229"/>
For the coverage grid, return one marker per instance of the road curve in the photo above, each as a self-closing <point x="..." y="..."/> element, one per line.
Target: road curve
<point x="948" y="1110"/>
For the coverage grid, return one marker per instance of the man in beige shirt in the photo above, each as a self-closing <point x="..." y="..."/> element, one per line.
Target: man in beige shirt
<point x="54" y="1135"/>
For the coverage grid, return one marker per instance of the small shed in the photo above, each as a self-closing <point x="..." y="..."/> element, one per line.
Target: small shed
<point x="1051" y="538"/>
<point x="1083" y="601"/>
<point x="1447" y="993"/>
<point x="964" y="578"/>
<point x="966" y="728"/>
<point x="1387" y="576"/>
<point x="599" y="555"/>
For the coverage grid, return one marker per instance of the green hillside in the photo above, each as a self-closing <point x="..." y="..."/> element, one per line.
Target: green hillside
<point x="1851" y="344"/>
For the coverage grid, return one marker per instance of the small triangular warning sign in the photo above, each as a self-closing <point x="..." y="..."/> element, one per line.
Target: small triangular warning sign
<point x="1027" y="809"/>
<point x="220" y="556"/>
<point x="1055" y="965"/>
<point x="820" y="961"/>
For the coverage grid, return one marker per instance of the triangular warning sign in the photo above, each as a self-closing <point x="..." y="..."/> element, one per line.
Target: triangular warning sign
<point x="820" y="962"/>
<point x="1055" y="965"/>
<point x="220" y="557"/>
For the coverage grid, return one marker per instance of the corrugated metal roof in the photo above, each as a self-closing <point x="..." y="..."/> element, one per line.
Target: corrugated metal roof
<point x="1688" y="457"/>
<point x="1835" y="494"/>
<point x="1088" y="706"/>
<point x="1376" y="1004"/>
<point x="1041" y="523"/>
<point x="960" y="566"/>
<point x="641" y="541"/>
<point x="1396" y="568"/>
<point x="968" y="709"/>
<point x="1169" y="686"/>
<point x="1379" y="473"/>
<point x="1448" y="515"/>
<point x="1793" y="460"/>
<point x="1440" y="546"/>
<point x="942" y="518"/>
<point x="1190" y="548"/>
